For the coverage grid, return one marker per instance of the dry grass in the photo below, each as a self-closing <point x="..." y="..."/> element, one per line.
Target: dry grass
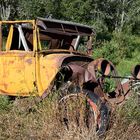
<point x="23" y="119"/>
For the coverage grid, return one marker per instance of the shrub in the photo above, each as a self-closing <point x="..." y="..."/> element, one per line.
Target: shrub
<point x="121" y="46"/>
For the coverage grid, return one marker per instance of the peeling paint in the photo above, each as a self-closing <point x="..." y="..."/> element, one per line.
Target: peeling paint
<point x="29" y="61"/>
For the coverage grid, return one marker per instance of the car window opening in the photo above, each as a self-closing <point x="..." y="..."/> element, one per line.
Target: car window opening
<point x="22" y="39"/>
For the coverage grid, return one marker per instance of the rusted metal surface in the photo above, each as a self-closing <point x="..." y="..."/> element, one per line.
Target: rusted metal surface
<point x="66" y="27"/>
<point x="64" y="35"/>
<point x="41" y="55"/>
<point x="101" y="69"/>
<point x="88" y="86"/>
<point x="134" y="82"/>
<point x="136" y="72"/>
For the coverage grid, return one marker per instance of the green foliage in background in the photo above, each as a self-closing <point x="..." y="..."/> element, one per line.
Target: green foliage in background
<point x="121" y="46"/>
<point x="117" y="23"/>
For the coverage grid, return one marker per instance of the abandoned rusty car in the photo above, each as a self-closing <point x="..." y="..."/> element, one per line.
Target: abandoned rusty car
<point x="38" y="56"/>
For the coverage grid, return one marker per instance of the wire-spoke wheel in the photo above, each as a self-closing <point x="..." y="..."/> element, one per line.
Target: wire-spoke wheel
<point x="75" y="109"/>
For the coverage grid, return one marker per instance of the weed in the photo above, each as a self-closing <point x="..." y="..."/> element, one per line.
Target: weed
<point x="5" y="103"/>
<point x="42" y="121"/>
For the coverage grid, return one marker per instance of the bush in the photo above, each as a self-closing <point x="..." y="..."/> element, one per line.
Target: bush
<point x="121" y="46"/>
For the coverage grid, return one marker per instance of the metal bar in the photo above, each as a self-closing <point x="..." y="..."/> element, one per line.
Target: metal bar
<point x="89" y="45"/>
<point x="19" y="42"/>
<point x="121" y="77"/>
<point x="51" y="30"/>
<point x="0" y="36"/>
<point x="63" y="28"/>
<point x="9" y="38"/>
<point x="24" y="21"/>
<point x="23" y="38"/>
<point x="77" y="42"/>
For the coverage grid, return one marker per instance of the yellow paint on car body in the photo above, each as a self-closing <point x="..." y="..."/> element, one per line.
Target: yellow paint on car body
<point x="25" y="73"/>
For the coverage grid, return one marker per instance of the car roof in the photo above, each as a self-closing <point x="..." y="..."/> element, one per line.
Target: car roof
<point x="64" y="27"/>
<point x="56" y="26"/>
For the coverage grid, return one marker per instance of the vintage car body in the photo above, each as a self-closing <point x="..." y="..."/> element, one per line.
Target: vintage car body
<point x="38" y="55"/>
<point x="24" y="71"/>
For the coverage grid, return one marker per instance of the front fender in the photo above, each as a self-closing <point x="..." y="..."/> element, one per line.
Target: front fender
<point x="50" y="65"/>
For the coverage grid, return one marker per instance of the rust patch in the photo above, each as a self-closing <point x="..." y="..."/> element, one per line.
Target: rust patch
<point x="4" y="75"/>
<point x="4" y="85"/>
<point x="29" y="61"/>
<point x="21" y="55"/>
<point x="22" y="81"/>
<point x="18" y="71"/>
<point x="11" y="62"/>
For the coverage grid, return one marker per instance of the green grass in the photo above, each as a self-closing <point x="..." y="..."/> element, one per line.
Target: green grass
<point x="5" y="104"/>
<point x="125" y="66"/>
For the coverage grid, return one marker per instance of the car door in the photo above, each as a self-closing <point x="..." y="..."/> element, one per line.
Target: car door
<point x="17" y="64"/>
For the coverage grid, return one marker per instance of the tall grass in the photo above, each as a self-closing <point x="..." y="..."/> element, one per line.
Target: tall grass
<point x="26" y="119"/>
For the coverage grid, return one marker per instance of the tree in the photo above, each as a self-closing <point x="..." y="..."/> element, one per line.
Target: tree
<point x="5" y="9"/>
<point x="8" y="9"/>
<point x="31" y="9"/>
<point x="121" y="14"/>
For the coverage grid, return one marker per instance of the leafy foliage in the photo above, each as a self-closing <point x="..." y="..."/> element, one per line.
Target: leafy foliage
<point x="4" y="103"/>
<point x="116" y="22"/>
<point x="121" y="46"/>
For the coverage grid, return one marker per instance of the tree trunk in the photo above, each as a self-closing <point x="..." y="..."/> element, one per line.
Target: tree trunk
<point x="5" y="12"/>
